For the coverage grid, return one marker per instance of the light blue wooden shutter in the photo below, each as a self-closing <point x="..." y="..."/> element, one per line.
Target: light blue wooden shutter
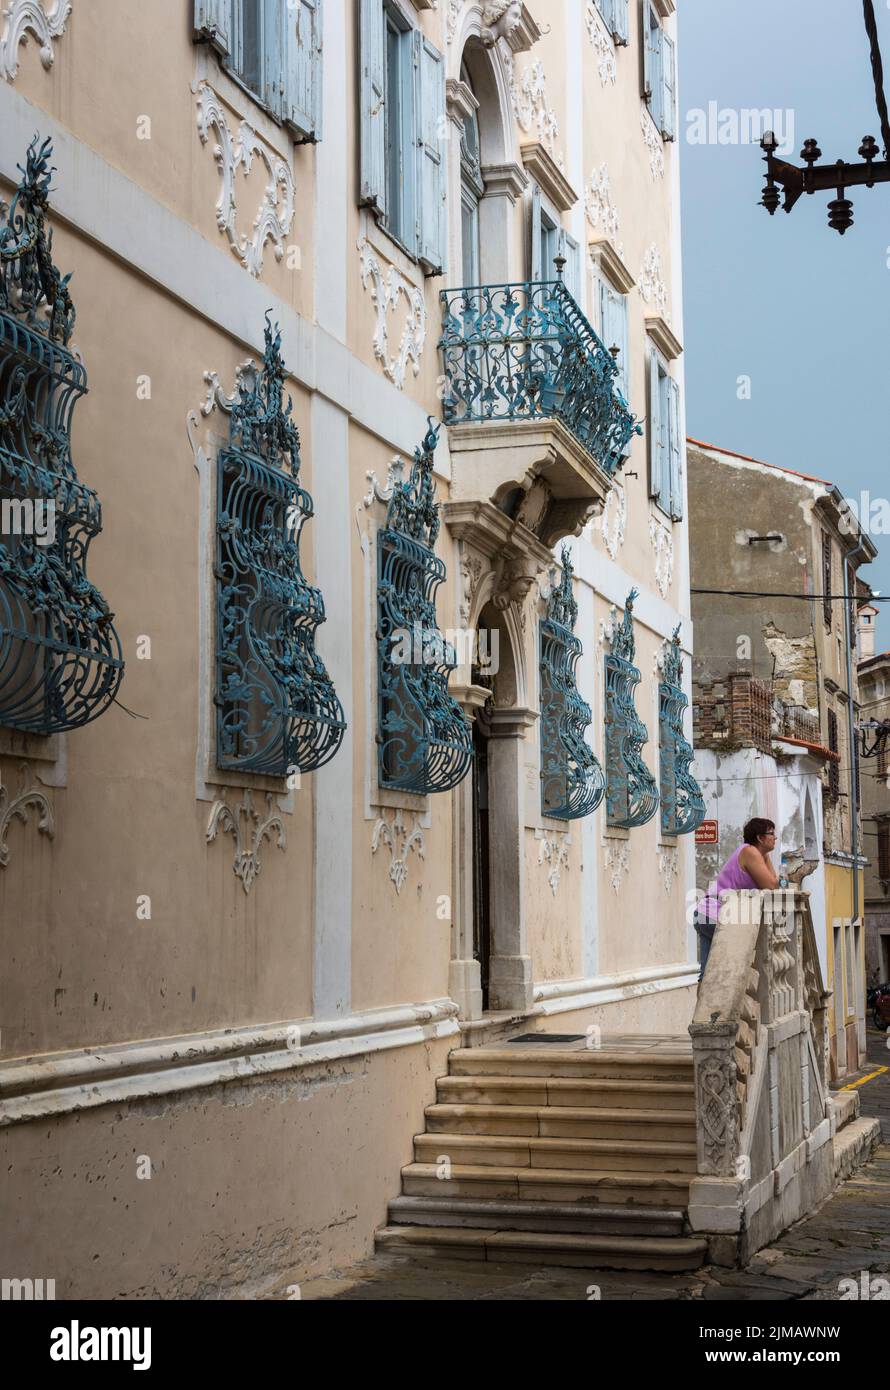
<point x="653" y="86"/>
<point x="607" y="10"/>
<point x="272" y="45"/>
<point x="675" y="450"/>
<point x="372" y="89"/>
<point x="535" y="235"/>
<point x="669" y="82"/>
<point x="654" y="426"/>
<point x="621" y="21"/>
<point x="569" y="248"/>
<point x="613" y="318"/>
<point x="213" y="22"/>
<point x="431" y="133"/>
<point x="303" y="68"/>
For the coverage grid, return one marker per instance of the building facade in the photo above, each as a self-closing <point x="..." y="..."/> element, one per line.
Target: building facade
<point x="776" y="677"/>
<point x="874" y="687"/>
<point x="342" y="759"/>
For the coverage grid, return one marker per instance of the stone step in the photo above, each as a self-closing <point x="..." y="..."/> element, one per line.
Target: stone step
<point x="561" y="1122"/>
<point x="551" y="1217"/>
<point x="546" y="1060"/>
<point x="501" y="1150"/>
<point x="521" y="1183"/>
<point x="854" y="1145"/>
<point x="567" y="1091"/>
<point x="539" y="1247"/>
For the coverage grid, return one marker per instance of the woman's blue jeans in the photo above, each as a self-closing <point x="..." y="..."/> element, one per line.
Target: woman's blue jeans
<point x="705" y="931"/>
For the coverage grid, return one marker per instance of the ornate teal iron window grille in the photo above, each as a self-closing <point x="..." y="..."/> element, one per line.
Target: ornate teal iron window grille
<point x="572" y="781"/>
<point x="60" y="656"/>
<point x="525" y="351"/>
<point x="424" y="742"/>
<point x="682" y="803"/>
<point x="276" y="707"/>
<point x="631" y="793"/>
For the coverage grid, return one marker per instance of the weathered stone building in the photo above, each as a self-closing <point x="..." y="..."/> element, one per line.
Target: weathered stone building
<point x="874" y="691"/>
<point x="775" y="692"/>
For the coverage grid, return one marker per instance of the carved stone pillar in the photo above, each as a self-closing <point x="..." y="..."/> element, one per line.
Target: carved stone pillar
<point x="510" y="977"/>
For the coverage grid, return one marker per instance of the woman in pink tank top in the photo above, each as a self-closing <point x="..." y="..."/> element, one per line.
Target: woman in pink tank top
<point x="750" y="867"/>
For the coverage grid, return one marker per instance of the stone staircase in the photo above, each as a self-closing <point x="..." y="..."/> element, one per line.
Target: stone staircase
<point x="556" y="1154"/>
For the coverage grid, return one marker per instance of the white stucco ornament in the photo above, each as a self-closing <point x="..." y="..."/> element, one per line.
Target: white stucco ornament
<point x="386" y="293"/>
<point x="599" y="209"/>
<point x="604" y="47"/>
<point x="652" y="283"/>
<point x="617" y="863"/>
<point x="529" y="96"/>
<point x="45" y="19"/>
<point x="668" y="865"/>
<point x="249" y="829"/>
<point x="553" y="849"/>
<point x="663" y="544"/>
<point x="613" y="520"/>
<point x="29" y="797"/>
<point x="654" y="142"/>
<point x="400" y="842"/>
<point x="275" y="214"/>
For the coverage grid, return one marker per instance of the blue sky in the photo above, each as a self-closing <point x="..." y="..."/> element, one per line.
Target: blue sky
<point x="785" y="300"/>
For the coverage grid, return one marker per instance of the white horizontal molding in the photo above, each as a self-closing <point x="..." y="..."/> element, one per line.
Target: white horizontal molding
<point x="613" y="583"/>
<point x="65" y="1082"/>
<point x="562" y="996"/>
<point x="113" y="212"/>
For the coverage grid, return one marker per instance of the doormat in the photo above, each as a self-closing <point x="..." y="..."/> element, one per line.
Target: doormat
<point x="548" y="1038"/>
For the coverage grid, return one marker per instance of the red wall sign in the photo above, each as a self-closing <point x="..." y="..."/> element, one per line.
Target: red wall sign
<point x="706" y="834"/>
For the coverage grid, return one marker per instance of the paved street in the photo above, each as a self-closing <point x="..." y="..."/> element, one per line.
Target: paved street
<point x="849" y="1234"/>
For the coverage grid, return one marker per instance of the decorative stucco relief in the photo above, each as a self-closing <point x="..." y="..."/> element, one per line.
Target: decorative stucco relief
<point x="45" y="19"/>
<point x="613" y="521"/>
<point x="617" y="862"/>
<point x="553" y="849"/>
<point x="451" y="18"/>
<point x="654" y="142"/>
<point x="599" y="36"/>
<point x="386" y="292"/>
<point x="29" y="797"/>
<point x="471" y="570"/>
<point x="529" y="96"/>
<point x="400" y="842"/>
<point x="248" y="829"/>
<point x="601" y="212"/>
<point x="652" y="283"/>
<point x="663" y="545"/>
<point x="275" y="214"/>
<point x="668" y="865"/>
<point x="395" y="474"/>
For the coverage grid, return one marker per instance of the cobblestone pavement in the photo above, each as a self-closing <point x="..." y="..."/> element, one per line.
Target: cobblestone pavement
<point x="848" y="1234"/>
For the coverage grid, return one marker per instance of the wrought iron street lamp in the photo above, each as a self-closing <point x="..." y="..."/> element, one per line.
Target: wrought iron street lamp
<point x="815" y="177"/>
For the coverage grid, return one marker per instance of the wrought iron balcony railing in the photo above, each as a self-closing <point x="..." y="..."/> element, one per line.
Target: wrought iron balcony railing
<point x="60" y="655"/>
<point x="525" y="351"/>
<point x="572" y="781"/>
<point x="425" y="744"/>
<point x="682" y="803"/>
<point x="631" y="793"/>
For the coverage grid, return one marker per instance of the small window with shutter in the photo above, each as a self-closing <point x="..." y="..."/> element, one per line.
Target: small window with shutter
<point x="834" y="776"/>
<point x="884" y="850"/>
<point x="402" y="132"/>
<point x="659" y="71"/>
<point x="665" y="438"/>
<point x="826" y="579"/>
<point x="274" y="49"/>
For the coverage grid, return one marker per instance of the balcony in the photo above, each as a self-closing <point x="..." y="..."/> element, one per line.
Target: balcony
<point x="537" y="426"/>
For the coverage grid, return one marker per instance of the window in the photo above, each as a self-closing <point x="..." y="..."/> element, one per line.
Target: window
<point x="631" y="793"/>
<point x="883" y="850"/>
<point x="826" y="578"/>
<point x="682" y="803"/>
<point x="402" y="127"/>
<point x="659" y="72"/>
<point x="545" y="238"/>
<point x="665" y="444"/>
<point x="834" y="779"/>
<point x="613" y="330"/>
<point x="616" y="17"/>
<point x="274" y="49"/>
<point x="570" y="251"/>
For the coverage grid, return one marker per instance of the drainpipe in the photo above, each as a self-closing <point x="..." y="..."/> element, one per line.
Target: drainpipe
<point x="851" y="725"/>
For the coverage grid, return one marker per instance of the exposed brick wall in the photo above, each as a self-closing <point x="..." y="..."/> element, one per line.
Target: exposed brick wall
<point x="733" y="712"/>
